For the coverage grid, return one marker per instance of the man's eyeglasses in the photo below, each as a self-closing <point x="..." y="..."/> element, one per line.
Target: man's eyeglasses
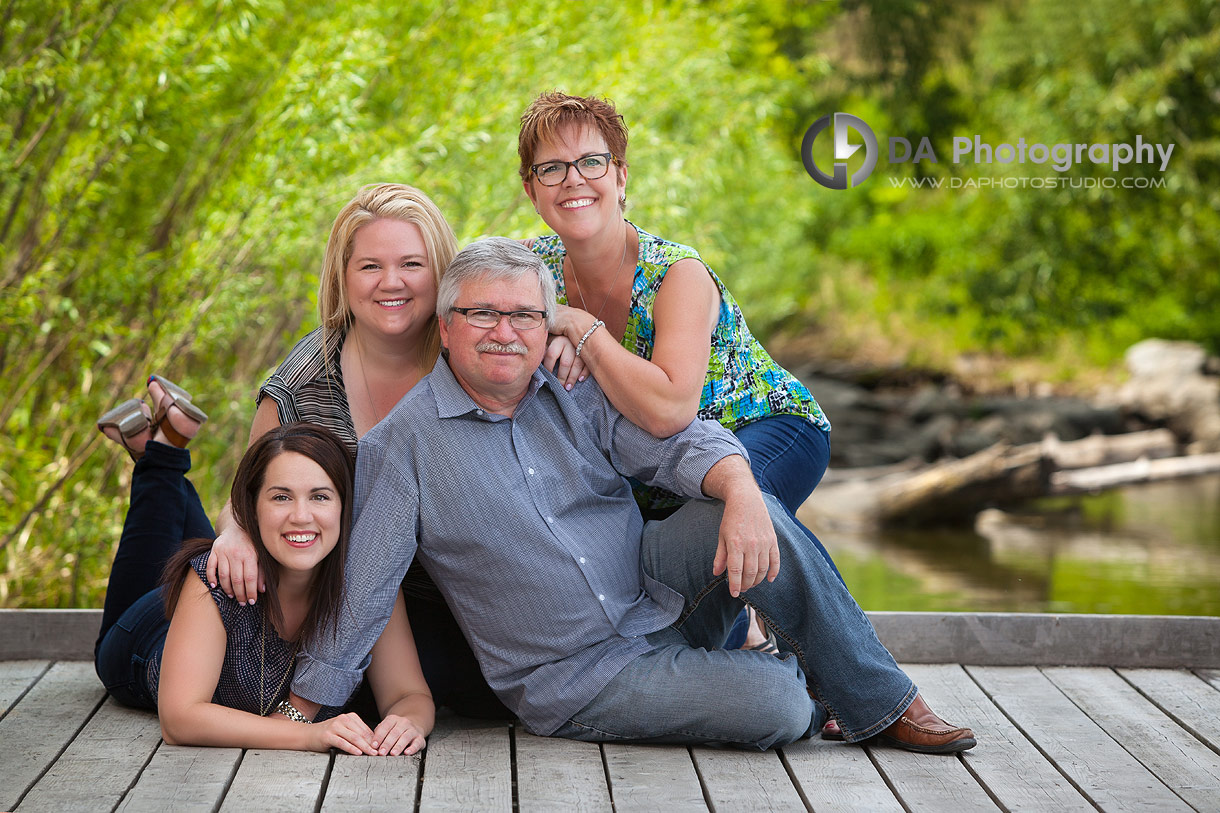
<point x="591" y="167"/>
<point x="489" y="318"/>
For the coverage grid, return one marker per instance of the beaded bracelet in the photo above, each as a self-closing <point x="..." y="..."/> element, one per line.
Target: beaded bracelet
<point x="581" y="344"/>
<point x="292" y="712"/>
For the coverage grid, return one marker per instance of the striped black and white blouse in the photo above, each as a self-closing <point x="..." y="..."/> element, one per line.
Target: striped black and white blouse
<point x="308" y="387"/>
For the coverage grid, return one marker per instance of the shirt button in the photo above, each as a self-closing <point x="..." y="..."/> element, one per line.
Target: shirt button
<point x="582" y="560"/>
<point x="478" y="412"/>
<point x="550" y="519"/>
<point x="600" y="597"/>
<point x="531" y="471"/>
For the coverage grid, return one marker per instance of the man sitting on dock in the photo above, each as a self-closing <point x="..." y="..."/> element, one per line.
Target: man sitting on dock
<point x="587" y="622"/>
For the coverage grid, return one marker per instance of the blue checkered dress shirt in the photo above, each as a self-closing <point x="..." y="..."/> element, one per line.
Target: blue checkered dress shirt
<point x="528" y="527"/>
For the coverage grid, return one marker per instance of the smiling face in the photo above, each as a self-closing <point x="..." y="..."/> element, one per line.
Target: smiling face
<point x="299" y="512"/>
<point x="578" y="209"/>
<point x="494" y="365"/>
<point x="391" y="288"/>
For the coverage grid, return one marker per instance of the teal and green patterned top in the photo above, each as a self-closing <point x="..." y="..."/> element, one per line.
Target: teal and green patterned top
<point x="743" y="382"/>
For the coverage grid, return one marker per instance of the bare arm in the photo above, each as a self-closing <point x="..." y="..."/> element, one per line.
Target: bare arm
<point x="747" y="550"/>
<point x="190" y="671"/>
<point x="234" y="563"/>
<point x="662" y="394"/>
<point x="406" y="706"/>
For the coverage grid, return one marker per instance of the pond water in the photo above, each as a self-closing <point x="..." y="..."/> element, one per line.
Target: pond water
<point x="1147" y="549"/>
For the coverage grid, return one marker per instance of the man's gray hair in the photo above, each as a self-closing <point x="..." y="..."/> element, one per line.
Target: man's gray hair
<point x="494" y="258"/>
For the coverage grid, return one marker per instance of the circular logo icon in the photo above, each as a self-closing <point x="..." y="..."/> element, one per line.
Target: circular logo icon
<point x="843" y="122"/>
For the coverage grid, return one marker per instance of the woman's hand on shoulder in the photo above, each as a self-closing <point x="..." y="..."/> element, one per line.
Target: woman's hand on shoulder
<point x="561" y="358"/>
<point x="347" y="732"/>
<point x="398" y="735"/>
<point x="571" y="322"/>
<point x="233" y="565"/>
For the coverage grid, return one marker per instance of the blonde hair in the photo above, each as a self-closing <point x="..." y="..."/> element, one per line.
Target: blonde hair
<point x="383" y="201"/>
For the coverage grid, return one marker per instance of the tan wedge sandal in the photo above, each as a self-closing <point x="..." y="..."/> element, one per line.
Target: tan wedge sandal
<point x="177" y="397"/>
<point x="129" y="419"/>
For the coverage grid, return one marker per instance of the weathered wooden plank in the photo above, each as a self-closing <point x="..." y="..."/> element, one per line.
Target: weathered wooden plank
<point x="995" y="639"/>
<point x="931" y="782"/>
<point x="183" y="778"/>
<point x="467" y="767"/>
<point x="372" y="784"/>
<point x="746" y="780"/>
<point x="101" y="763"/>
<point x="63" y="634"/>
<point x="34" y="732"/>
<point x="287" y="781"/>
<point x="1008" y="639"/>
<point x="1212" y="676"/>
<point x="647" y="778"/>
<point x="15" y="678"/>
<point x="1187" y="766"/>
<point x="1086" y="754"/>
<point x="1194" y="704"/>
<point x="561" y="775"/>
<point x="838" y="776"/>
<point x="1004" y="760"/>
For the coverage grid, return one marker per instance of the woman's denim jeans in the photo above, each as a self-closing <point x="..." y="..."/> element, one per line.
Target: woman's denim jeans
<point x="164" y="510"/>
<point x="688" y="691"/>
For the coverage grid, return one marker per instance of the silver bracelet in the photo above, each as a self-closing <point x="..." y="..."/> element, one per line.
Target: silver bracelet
<point x="581" y="344"/>
<point x="292" y="712"/>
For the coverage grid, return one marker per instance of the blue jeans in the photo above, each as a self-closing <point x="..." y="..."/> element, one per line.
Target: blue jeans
<point x="687" y="691"/>
<point x="788" y="456"/>
<point x="164" y="510"/>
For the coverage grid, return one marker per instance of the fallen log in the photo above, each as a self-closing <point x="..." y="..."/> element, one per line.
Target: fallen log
<point x="1103" y="450"/>
<point x="1138" y="471"/>
<point x="955" y="491"/>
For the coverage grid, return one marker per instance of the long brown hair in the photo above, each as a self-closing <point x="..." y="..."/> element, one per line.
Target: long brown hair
<point x="324" y="448"/>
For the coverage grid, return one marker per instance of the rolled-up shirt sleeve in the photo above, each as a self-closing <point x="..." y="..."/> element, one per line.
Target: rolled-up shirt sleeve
<point x="382" y="545"/>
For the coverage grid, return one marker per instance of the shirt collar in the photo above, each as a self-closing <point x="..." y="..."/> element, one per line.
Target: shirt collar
<point x="452" y="401"/>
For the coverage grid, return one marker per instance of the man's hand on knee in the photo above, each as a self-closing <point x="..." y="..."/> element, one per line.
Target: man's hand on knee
<point x="747" y="547"/>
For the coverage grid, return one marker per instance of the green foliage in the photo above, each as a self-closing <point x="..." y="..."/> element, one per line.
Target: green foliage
<point x="168" y="173"/>
<point x="1022" y="270"/>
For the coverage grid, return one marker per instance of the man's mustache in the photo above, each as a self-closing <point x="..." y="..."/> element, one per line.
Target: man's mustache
<point x="496" y="347"/>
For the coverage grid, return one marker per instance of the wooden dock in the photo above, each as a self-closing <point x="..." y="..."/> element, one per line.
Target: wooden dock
<point x="1138" y="732"/>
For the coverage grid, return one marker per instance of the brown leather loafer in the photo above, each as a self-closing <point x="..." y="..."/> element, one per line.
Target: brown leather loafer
<point x="919" y="729"/>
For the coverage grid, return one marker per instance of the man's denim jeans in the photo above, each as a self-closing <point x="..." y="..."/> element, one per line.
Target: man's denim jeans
<point x="788" y="456"/>
<point x="686" y="691"/>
